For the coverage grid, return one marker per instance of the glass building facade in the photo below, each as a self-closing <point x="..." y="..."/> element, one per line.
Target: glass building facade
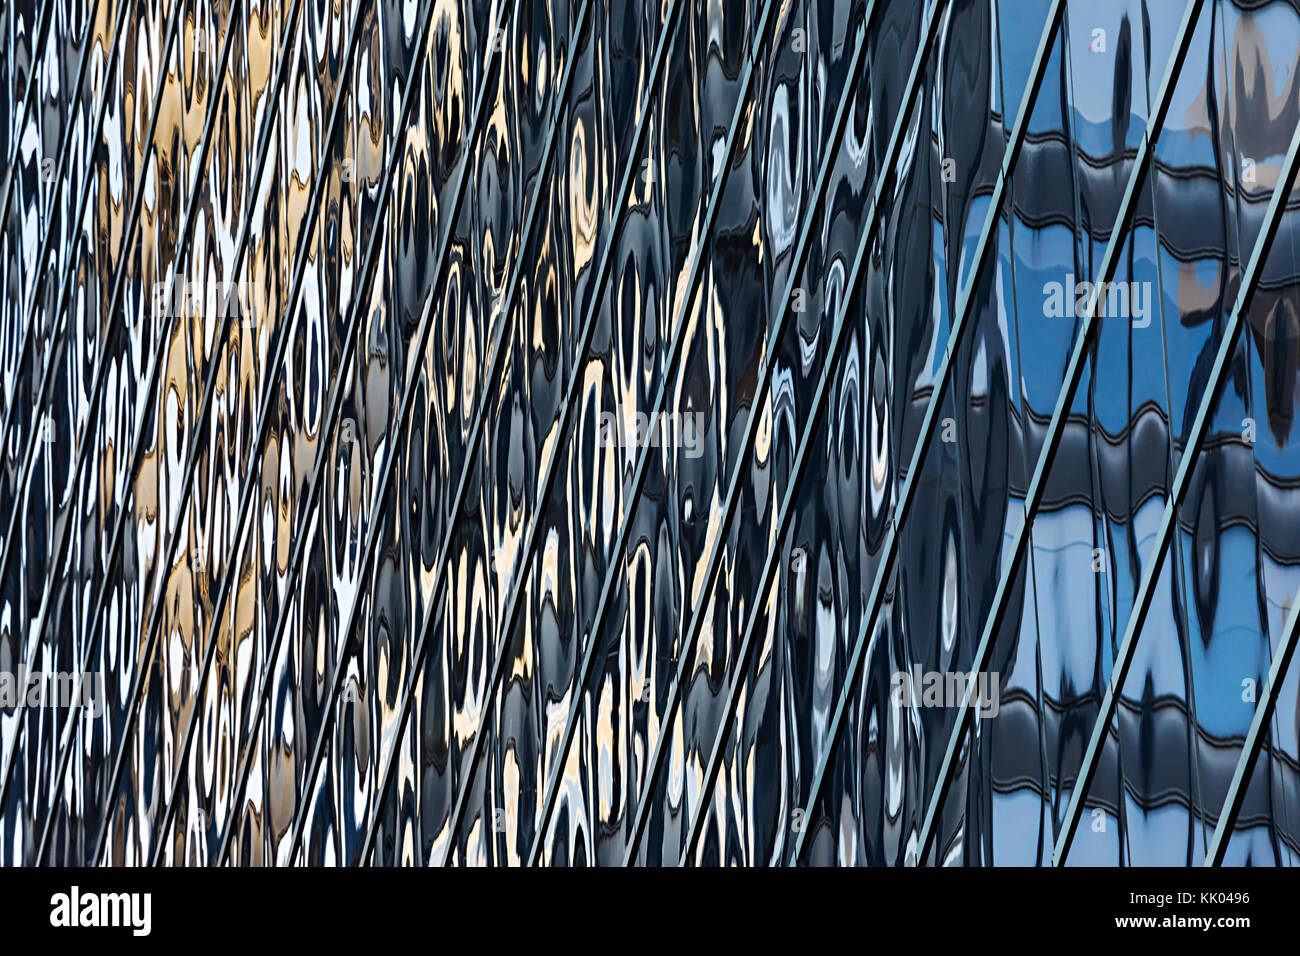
<point x="553" y="432"/>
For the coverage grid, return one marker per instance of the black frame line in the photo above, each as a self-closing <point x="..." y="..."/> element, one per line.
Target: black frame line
<point x="65" y="272"/>
<point x="886" y="178"/>
<point x="40" y="50"/>
<point x="387" y="764"/>
<point x="774" y="337"/>
<point x="541" y="178"/>
<point x="1187" y="464"/>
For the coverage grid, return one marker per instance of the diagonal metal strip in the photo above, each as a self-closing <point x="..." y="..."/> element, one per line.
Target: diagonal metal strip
<point x="40" y="49"/>
<point x="336" y="402"/>
<point x="885" y="180"/>
<point x="70" y="727"/>
<point x="775" y="336"/>
<point x="306" y="234"/>
<point x="209" y="126"/>
<point x="65" y="273"/>
<point x="884" y="570"/>
<point x="187" y="229"/>
<point x="1255" y="737"/>
<point x="669" y="373"/>
<point x="1195" y="439"/>
<point x="388" y="762"/>
<point x="111" y="329"/>
<point x="670" y="368"/>
<point x="46" y="215"/>
<point x="541" y="177"/>
<point x="30" y="656"/>
<point x="210" y="650"/>
<point x="1074" y="371"/>
<point x="138" y="444"/>
<point x="1110" y="261"/>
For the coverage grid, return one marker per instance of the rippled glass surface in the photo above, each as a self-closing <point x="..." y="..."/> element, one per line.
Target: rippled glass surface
<point x="830" y="432"/>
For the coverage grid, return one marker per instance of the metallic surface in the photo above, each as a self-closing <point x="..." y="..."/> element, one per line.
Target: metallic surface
<point x="355" y="573"/>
